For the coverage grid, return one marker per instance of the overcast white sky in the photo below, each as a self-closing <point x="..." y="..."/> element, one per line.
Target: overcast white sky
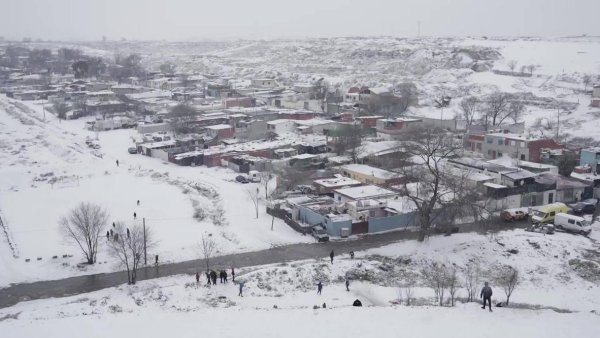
<point x="215" y="19"/>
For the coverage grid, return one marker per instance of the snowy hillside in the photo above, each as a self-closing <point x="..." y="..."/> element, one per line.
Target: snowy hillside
<point x="557" y="296"/>
<point x="46" y="169"/>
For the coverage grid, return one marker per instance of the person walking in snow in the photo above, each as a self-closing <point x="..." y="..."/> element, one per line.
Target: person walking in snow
<point x="138" y="203"/>
<point x="221" y="277"/>
<point x="331" y="256"/>
<point x="319" y="288"/>
<point x="347" y="284"/>
<point x="117" y="163"/>
<point x="156" y="260"/>
<point x="241" y="289"/>
<point x="134" y="215"/>
<point x="213" y="276"/>
<point x="486" y="294"/>
<point x="207" y="277"/>
<point x="351" y="254"/>
<point x="113" y="225"/>
<point x="232" y="274"/>
<point x="225" y="275"/>
<point x="128" y="236"/>
<point x="107" y="235"/>
<point x="197" y="277"/>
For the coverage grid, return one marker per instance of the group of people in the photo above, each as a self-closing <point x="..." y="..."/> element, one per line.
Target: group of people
<point x="211" y="276"/>
<point x="112" y="233"/>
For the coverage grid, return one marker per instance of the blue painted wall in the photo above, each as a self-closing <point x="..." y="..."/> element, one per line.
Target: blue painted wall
<point x="588" y="157"/>
<point x="402" y="221"/>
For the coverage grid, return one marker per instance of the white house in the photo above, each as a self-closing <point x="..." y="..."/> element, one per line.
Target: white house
<point x="281" y="126"/>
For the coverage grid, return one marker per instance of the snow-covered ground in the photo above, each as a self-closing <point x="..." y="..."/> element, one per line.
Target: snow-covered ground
<point x="554" y="299"/>
<point x="32" y="201"/>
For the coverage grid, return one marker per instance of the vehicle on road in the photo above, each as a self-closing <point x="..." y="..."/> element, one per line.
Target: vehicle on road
<point x="541" y="228"/>
<point x="572" y="223"/>
<point x="319" y="233"/>
<point x="241" y="179"/>
<point x="512" y="215"/>
<point x="254" y="176"/>
<point x="132" y="150"/>
<point x="584" y="207"/>
<point x="546" y="213"/>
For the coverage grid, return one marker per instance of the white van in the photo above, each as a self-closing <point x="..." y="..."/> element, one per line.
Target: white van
<point x="254" y="176"/>
<point x="572" y="223"/>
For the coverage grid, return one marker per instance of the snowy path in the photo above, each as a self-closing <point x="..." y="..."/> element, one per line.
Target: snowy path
<point x="83" y="284"/>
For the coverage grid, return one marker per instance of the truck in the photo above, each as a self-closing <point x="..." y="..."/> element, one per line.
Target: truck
<point x="546" y="213"/>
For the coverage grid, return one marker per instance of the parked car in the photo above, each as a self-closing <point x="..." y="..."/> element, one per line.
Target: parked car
<point x="511" y="215"/>
<point x="572" y="223"/>
<point x="546" y="213"/>
<point x="319" y="233"/>
<point x="132" y="150"/>
<point x="254" y="176"/>
<point x="584" y="207"/>
<point x="241" y="179"/>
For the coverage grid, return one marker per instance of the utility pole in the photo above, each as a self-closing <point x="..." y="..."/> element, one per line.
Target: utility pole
<point x="145" y="253"/>
<point x="557" y="121"/>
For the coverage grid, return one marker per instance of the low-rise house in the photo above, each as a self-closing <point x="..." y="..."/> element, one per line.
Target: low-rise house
<point x="392" y="128"/>
<point x="281" y="126"/>
<point x="371" y="175"/>
<point x="595" y="97"/>
<point x="264" y="83"/>
<point x="568" y="190"/>
<point x="326" y="186"/>
<point x="220" y="131"/>
<point x="516" y="146"/>
<point x="344" y="195"/>
<point x="590" y="157"/>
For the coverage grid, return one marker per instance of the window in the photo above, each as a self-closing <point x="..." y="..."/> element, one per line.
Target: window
<point x="489" y="140"/>
<point x="522" y="157"/>
<point x="571" y="221"/>
<point x="513" y="143"/>
<point x="499" y="154"/>
<point x="552" y="213"/>
<point x="500" y="142"/>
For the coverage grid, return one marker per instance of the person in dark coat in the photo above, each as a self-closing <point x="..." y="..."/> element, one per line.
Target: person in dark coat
<point x="351" y="254"/>
<point x="221" y="277"/>
<point x="156" y="260"/>
<point x="486" y="294"/>
<point x="347" y="284"/>
<point x="213" y="276"/>
<point x="197" y="277"/>
<point x="357" y="303"/>
<point x="207" y="277"/>
<point x="319" y="288"/>
<point x="107" y="235"/>
<point x="134" y="215"/>
<point x="113" y="225"/>
<point x="117" y="163"/>
<point x="331" y="256"/>
<point x="138" y="203"/>
<point x="232" y="274"/>
<point x="225" y="275"/>
<point x="128" y="236"/>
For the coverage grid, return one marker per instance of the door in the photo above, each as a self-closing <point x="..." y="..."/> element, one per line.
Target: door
<point x="551" y="198"/>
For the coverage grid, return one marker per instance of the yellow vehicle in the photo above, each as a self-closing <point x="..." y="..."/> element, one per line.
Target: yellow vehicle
<point x="546" y="213"/>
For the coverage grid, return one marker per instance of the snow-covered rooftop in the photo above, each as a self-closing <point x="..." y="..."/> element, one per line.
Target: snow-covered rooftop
<point x="338" y="181"/>
<point x="365" y="191"/>
<point x="367" y="170"/>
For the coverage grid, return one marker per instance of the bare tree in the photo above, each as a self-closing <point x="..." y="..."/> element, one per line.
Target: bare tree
<point x="83" y="225"/>
<point x="453" y="284"/>
<point x="288" y="177"/>
<point x="61" y="109"/>
<point x="265" y="178"/>
<point x="496" y="110"/>
<point x="435" y="276"/>
<point x="469" y="107"/>
<point x="531" y="68"/>
<point x="167" y="68"/>
<point x="512" y="64"/>
<point x="508" y="278"/>
<point x="208" y="248"/>
<point x="129" y="246"/>
<point x="523" y="69"/>
<point x="471" y="280"/>
<point x="587" y="79"/>
<point x="348" y="139"/>
<point x="180" y="116"/>
<point x="515" y="110"/>
<point x="253" y="194"/>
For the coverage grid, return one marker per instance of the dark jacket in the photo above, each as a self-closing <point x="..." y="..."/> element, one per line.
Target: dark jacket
<point x="486" y="292"/>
